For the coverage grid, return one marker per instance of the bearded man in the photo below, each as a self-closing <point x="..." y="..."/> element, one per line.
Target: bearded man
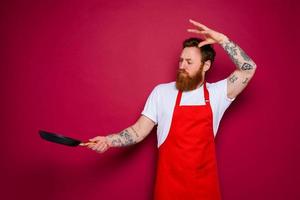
<point x="187" y="114"/>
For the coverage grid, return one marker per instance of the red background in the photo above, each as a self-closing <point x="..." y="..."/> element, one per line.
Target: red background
<point x="86" y="68"/>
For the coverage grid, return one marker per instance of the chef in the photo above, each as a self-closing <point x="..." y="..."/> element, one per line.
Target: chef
<point x="187" y="113"/>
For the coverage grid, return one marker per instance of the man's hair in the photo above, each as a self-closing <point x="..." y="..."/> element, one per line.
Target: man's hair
<point x="207" y="51"/>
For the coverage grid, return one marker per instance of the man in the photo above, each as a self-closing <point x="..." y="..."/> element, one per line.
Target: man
<point x="187" y="113"/>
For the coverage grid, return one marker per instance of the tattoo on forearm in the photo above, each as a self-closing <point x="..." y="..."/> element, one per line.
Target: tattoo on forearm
<point x="137" y="135"/>
<point x="245" y="56"/>
<point x="124" y="138"/>
<point x="245" y="81"/>
<point x="238" y="56"/>
<point x="116" y="142"/>
<point x="233" y="78"/>
<point x="231" y="49"/>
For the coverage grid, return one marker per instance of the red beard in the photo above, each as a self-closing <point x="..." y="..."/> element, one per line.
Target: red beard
<point x="184" y="82"/>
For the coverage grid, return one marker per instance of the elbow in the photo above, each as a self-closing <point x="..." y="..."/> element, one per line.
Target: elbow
<point x="250" y="73"/>
<point x="254" y="66"/>
<point x="139" y="139"/>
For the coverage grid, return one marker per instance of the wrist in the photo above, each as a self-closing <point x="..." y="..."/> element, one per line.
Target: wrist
<point x="108" y="140"/>
<point x="223" y="39"/>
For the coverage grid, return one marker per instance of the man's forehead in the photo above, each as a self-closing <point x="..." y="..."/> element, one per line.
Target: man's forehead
<point x="190" y="53"/>
<point x="187" y="58"/>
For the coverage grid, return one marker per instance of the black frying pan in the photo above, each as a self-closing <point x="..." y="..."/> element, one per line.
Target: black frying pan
<point x="60" y="139"/>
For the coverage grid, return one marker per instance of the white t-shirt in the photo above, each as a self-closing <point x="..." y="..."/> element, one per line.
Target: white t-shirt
<point x="160" y="104"/>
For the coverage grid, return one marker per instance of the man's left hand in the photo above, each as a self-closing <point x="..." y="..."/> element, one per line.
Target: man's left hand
<point x="210" y="36"/>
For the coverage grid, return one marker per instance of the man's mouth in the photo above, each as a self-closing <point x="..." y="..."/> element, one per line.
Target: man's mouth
<point x="183" y="72"/>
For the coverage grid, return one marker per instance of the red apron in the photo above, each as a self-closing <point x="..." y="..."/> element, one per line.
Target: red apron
<point x="187" y="167"/>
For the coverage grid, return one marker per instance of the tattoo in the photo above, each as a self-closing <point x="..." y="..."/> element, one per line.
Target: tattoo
<point x="231" y="49"/>
<point x="116" y="142"/>
<point x="238" y="56"/>
<point x="245" y="81"/>
<point x="233" y="78"/>
<point x="246" y="66"/>
<point x="124" y="138"/>
<point x="137" y="135"/>
<point x="245" y="56"/>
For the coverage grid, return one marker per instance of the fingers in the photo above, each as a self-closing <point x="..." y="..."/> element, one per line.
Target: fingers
<point x="95" y="139"/>
<point x="197" y="31"/>
<point x="194" y="31"/>
<point x="103" y="148"/>
<point x="199" y="25"/>
<point x="90" y="144"/>
<point x="98" y="144"/>
<point x="100" y="147"/>
<point x="201" y="30"/>
<point x="203" y="43"/>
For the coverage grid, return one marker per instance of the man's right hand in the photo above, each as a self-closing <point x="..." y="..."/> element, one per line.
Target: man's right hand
<point x="99" y="144"/>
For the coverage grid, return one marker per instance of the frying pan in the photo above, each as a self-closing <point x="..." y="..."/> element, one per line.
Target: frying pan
<point x="60" y="139"/>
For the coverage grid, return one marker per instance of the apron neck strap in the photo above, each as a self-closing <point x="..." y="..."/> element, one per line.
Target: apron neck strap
<point x="206" y="95"/>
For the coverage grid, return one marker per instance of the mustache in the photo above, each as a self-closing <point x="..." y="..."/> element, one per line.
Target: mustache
<point x="182" y="71"/>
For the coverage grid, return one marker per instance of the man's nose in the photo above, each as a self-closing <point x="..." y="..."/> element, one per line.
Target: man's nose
<point x="182" y="65"/>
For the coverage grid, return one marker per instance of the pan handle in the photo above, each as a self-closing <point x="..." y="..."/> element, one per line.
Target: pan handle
<point x="84" y="144"/>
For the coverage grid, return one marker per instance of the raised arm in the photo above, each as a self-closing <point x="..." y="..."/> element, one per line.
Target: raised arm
<point x="245" y="67"/>
<point x="129" y="136"/>
<point x="244" y="72"/>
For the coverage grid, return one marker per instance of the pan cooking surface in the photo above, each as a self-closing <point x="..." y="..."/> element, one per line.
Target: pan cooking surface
<point x="58" y="138"/>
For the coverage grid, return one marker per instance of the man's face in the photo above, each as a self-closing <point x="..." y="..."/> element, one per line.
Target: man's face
<point x="190" y="72"/>
<point x="190" y="60"/>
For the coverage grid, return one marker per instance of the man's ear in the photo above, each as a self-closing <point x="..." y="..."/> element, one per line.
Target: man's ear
<point x="207" y="65"/>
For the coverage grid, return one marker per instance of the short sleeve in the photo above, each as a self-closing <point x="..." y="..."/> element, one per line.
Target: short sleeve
<point x="150" y="108"/>
<point x="223" y="100"/>
<point x="220" y="101"/>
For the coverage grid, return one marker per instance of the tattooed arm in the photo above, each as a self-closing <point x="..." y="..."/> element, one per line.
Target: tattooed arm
<point x="124" y="138"/>
<point x="239" y="79"/>
<point x="132" y="134"/>
<point x="129" y="136"/>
